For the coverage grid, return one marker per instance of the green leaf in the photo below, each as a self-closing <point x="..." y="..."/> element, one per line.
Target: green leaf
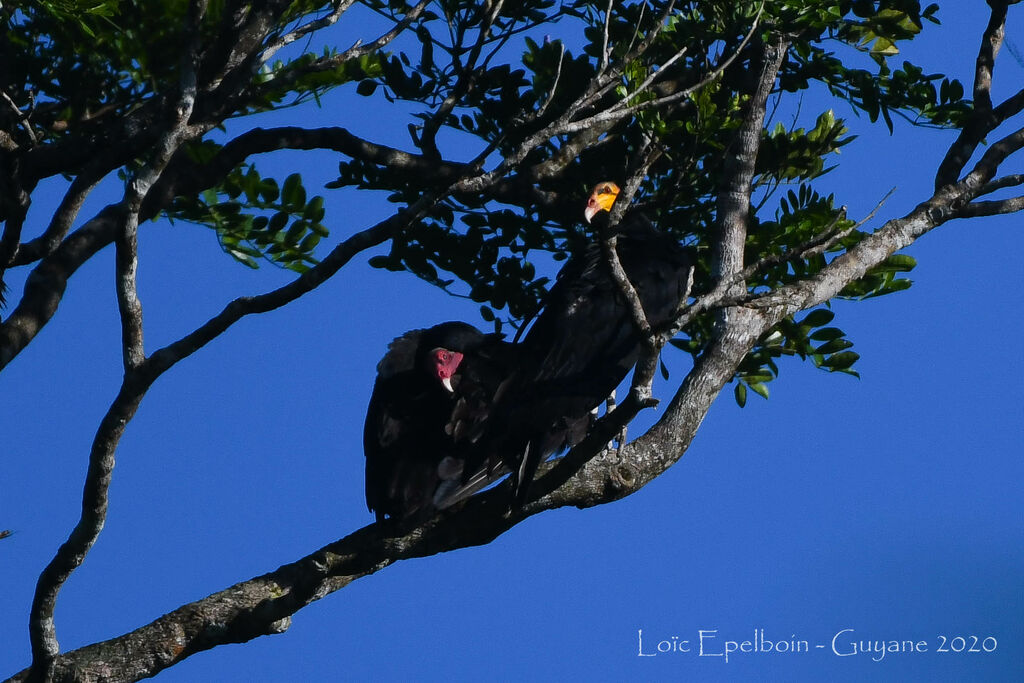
<point x="826" y="334"/>
<point x="741" y="394"/>
<point x="292" y="192"/>
<point x="314" y="211"/>
<point x="309" y="242"/>
<point x="897" y="263"/>
<point x="278" y="221"/>
<point x="834" y="346"/>
<point x="269" y="190"/>
<point x="818" y="317"/>
<point x="842" y="360"/>
<point x="760" y="389"/>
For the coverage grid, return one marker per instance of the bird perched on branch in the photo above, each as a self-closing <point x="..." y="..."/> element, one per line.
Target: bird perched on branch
<point x="454" y="409"/>
<point x="431" y="398"/>
<point x="580" y="347"/>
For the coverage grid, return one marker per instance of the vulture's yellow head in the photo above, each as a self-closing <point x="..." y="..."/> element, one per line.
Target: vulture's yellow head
<point x="601" y="199"/>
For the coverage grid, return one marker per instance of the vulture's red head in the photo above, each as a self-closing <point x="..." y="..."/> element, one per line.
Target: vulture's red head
<point x="444" y="363"/>
<point x="601" y="199"/>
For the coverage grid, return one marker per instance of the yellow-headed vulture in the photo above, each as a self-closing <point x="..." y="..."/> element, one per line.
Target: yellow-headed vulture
<point x="584" y="341"/>
<point x="430" y="401"/>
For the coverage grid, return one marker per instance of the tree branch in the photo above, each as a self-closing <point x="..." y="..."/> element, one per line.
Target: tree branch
<point x="1010" y="205"/>
<point x="1012" y="180"/>
<point x="263" y="605"/>
<point x="340" y="7"/>
<point x="61" y="221"/>
<point x="609" y="243"/>
<point x="331" y="63"/>
<point x="48" y="280"/>
<point x="466" y="81"/>
<point x="359" y="49"/>
<point x="733" y="207"/>
<point x="982" y="121"/>
<point x="71" y="554"/>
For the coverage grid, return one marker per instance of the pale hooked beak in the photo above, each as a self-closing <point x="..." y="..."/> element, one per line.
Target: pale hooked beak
<point x="447" y="384"/>
<point x="591" y="211"/>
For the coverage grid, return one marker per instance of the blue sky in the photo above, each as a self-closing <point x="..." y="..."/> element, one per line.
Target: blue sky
<point x="890" y="505"/>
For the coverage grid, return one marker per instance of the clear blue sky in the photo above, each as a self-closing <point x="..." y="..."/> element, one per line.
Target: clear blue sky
<point x="890" y="505"/>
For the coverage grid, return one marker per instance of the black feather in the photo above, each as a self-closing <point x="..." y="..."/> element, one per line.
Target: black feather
<point x="416" y="433"/>
<point x="584" y="342"/>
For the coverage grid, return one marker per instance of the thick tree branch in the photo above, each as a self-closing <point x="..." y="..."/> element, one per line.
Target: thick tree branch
<point x="1012" y="180"/>
<point x="71" y="554"/>
<point x="48" y="280"/>
<point x="993" y="208"/>
<point x="733" y="208"/>
<point x="982" y="121"/>
<point x="263" y="605"/>
<point x="985" y="170"/>
<point x="128" y="305"/>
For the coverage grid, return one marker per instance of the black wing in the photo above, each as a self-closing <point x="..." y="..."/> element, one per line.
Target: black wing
<point x="417" y="435"/>
<point x="584" y="342"/>
<point x="402" y="408"/>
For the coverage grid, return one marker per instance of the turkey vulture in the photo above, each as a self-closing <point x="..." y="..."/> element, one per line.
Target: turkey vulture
<point x="429" y="405"/>
<point x="584" y="341"/>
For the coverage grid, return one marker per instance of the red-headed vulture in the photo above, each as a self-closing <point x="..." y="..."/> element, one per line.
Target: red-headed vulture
<point x="430" y="401"/>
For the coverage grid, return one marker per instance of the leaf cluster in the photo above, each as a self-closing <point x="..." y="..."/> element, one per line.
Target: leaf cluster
<point x="256" y="217"/>
<point x="672" y="77"/>
<point x="483" y="247"/>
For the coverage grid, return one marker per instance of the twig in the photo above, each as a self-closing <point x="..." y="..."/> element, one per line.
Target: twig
<point x="465" y="85"/>
<point x="554" y="86"/>
<point x="609" y="242"/>
<point x="22" y="118"/>
<point x="605" y="54"/>
<point x="340" y="7"/>
<point x="160" y="361"/>
<point x="359" y="50"/>
<point x="622" y="108"/>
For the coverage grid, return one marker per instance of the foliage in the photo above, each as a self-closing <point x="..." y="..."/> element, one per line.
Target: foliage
<point x="257" y="217"/>
<point x="471" y="88"/>
<point x="513" y="110"/>
<point x="488" y="248"/>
